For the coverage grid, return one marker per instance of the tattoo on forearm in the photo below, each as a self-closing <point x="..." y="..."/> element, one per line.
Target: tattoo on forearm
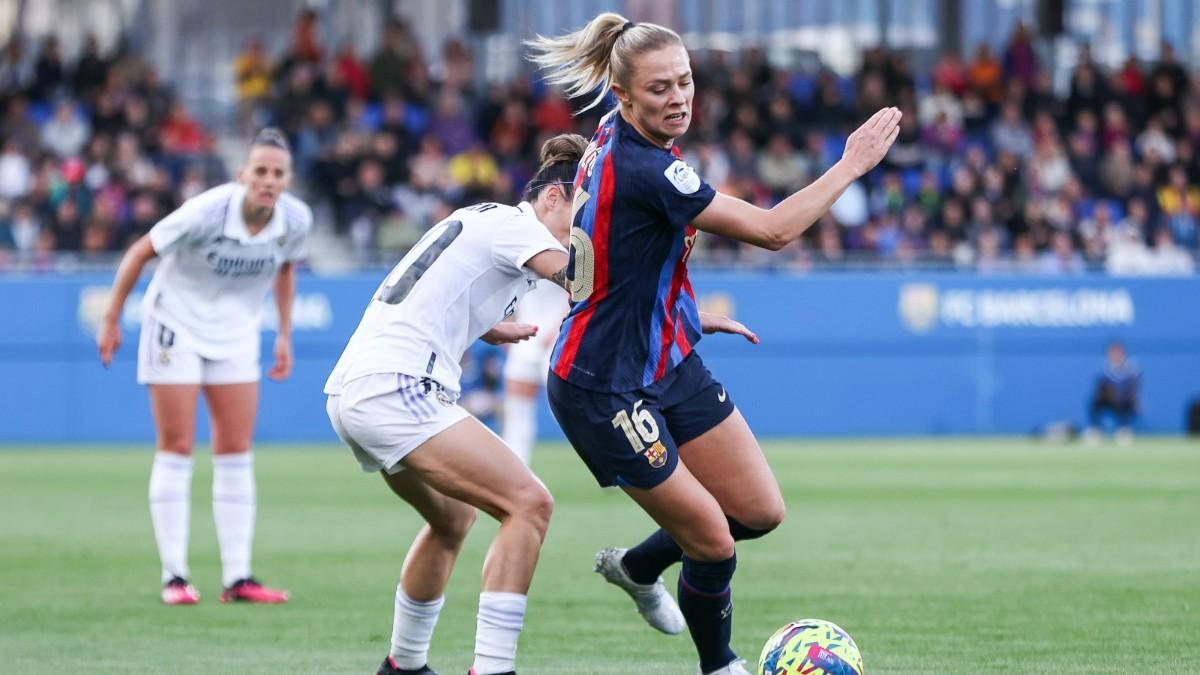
<point x="560" y="278"/>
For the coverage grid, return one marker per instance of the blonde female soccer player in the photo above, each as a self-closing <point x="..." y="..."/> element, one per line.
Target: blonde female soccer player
<point x="221" y="252"/>
<point x="626" y="384"/>
<point x="393" y="399"/>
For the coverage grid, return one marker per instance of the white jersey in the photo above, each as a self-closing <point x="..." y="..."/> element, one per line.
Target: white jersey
<point x="545" y="306"/>
<point x="214" y="275"/>
<point x="462" y="278"/>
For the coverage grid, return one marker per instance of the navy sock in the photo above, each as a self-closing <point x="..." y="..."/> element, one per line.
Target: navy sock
<point x="646" y="561"/>
<point x="707" y="603"/>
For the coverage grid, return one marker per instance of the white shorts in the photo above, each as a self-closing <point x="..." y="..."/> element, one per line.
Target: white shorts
<point x="164" y="357"/>
<point x="385" y="416"/>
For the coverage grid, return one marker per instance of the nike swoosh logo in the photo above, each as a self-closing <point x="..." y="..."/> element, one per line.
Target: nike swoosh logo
<point x="721" y="396"/>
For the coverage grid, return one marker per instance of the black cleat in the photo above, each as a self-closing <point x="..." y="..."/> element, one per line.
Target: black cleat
<point x="389" y="667"/>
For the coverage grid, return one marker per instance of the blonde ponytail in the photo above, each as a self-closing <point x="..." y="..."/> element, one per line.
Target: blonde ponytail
<point x="598" y="54"/>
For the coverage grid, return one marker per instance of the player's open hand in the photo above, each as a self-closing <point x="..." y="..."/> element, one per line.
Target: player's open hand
<point x="283" y="359"/>
<point x="108" y="339"/>
<point x="509" y="332"/>
<point x="715" y="323"/>
<point x="869" y="143"/>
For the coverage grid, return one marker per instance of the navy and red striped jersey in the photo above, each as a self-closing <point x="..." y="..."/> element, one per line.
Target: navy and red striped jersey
<point x="633" y="315"/>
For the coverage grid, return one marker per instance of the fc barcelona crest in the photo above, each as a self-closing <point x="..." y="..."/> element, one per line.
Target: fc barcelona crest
<point x="656" y="455"/>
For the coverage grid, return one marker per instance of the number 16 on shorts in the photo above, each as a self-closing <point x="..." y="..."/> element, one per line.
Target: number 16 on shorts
<point x="641" y="430"/>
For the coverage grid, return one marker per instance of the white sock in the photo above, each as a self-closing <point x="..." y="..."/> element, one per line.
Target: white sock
<point x="170" y="510"/>
<point x="412" y="630"/>
<point x="520" y="425"/>
<point x="234" y="504"/>
<point x="499" y="622"/>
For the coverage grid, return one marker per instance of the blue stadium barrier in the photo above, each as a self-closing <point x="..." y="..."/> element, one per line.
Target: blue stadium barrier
<point x="842" y="354"/>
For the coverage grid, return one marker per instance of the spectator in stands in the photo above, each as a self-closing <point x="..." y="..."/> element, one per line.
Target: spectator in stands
<point x="1168" y="259"/>
<point x="950" y="73"/>
<point x="49" y="74"/>
<point x="19" y="125"/>
<point x="16" y="177"/>
<point x="14" y="70"/>
<point x="1061" y="258"/>
<point x="1020" y="60"/>
<point x="389" y="68"/>
<point x="66" y="134"/>
<point x="306" y="42"/>
<point x="91" y="70"/>
<point x="351" y="70"/>
<point x="987" y="74"/>
<point x="252" y="80"/>
<point x="780" y="168"/>
<point x="1010" y="133"/>
<point x="1179" y="200"/>
<point x="1116" y="393"/>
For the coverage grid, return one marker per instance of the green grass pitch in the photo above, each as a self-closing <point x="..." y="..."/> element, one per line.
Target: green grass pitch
<point x="947" y="556"/>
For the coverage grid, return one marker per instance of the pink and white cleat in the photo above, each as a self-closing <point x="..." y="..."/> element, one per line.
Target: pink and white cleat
<point x="178" y="591"/>
<point x="249" y="590"/>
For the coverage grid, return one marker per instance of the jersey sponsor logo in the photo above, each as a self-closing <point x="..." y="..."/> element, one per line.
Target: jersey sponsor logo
<point x="237" y="267"/>
<point x="682" y="177"/>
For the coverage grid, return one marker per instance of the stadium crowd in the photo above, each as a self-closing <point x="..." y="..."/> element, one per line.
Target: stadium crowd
<point x="993" y="169"/>
<point x="93" y="152"/>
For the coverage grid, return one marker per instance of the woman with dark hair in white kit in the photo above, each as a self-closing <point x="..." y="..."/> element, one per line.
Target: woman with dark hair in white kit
<point x="221" y="251"/>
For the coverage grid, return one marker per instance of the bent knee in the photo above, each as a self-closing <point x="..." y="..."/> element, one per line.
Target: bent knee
<point x="535" y="505"/>
<point x="710" y="546"/>
<point x="757" y="524"/>
<point x="768" y="518"/>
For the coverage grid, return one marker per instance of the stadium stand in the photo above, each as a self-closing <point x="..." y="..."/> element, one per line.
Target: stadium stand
<point x="995" y="170"/>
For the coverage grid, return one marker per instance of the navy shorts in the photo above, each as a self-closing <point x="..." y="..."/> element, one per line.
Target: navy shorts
<point x="632" y="438"/>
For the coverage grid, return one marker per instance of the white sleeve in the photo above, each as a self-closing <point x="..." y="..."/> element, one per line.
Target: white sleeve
<point x="190" y="219"/>
<point x="294" y="246"/>
<point x="520" y="238"/>
<point x="173" y="230"/>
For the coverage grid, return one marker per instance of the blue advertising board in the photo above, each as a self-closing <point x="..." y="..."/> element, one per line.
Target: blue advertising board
<point x="842" y="354"/>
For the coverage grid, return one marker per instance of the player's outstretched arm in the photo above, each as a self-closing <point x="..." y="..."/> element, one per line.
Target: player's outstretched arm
<point x="716" y="323"/>
<point x="777" y="227"/>
<point x="108" y="338"/>
<point x="552" y="265"/>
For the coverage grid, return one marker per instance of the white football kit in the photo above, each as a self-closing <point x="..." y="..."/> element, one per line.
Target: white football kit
<point x="202" y="313"/>
<point x="397" y="381"/>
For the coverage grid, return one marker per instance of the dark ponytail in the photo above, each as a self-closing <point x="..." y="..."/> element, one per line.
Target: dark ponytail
<point x="559" y="160"/>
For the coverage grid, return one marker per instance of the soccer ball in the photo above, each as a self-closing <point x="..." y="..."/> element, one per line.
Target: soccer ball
<point x="810" y="647"/>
